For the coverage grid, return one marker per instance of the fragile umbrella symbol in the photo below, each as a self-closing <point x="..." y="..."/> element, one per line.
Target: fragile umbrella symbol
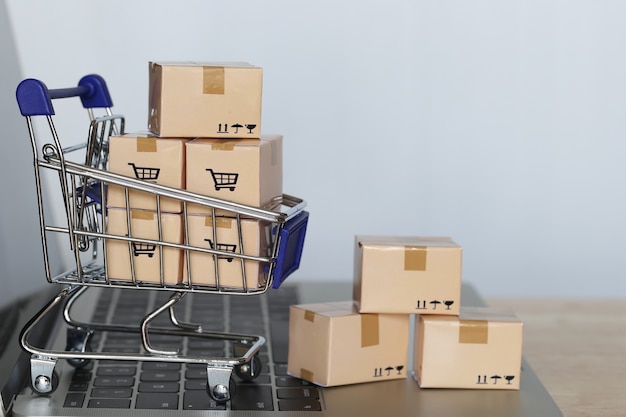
<point x="435" y="303"/>
<point x="496" y="378"/>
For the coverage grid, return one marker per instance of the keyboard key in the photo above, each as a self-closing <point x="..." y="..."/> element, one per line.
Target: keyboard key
<point x="158" y="387"/>
<point x="160" y="366"/>
<point x="116" y="371"/>
<point x="111" y="392"/>
<point x="290" y="381"/>
<point x="74" y="400"/>
<point x="108" y="403"/>
<point x="299" y="405"/>
<point x="118" y="381"/>
<point x="159" y="376"/>
<point x="78" y="386"/>
<point x="200" y="400"/>
<point x="157" y="401"/>
<point x="195" y="384"/>
<point x="297" y="393"/>
<point x="253" y="397"/>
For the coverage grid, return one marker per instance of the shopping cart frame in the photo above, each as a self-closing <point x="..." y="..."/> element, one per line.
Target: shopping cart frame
<point x="84" y="186"/>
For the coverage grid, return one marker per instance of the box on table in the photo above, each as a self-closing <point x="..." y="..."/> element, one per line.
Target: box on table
<point x="332" y="344"/>
<point x="407" y="274"/>
<point x="151" y="159"/>
<point x="204" y="99"/>
<point x="479" y="349"/>
<point x="146" y="258"/>
<point x="246" y="171"/>
<point x="230" y="270"/>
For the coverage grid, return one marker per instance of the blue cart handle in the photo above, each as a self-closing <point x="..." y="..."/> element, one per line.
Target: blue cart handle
<point x="35" y="99"/>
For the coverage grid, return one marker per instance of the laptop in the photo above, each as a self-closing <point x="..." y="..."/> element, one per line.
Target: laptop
<point x="125" y="388"/>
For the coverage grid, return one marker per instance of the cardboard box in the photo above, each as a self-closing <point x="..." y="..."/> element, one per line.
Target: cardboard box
<point x="151" y="159"/>
<point x="332" y="344"/>
<point x="407" y="274"/>
<point x="480" y="349"/>
<point x="204" y="99"/>
<point x="230" y="270"/>
<point x="146" y="259"/>
<point x="246" y="171"/>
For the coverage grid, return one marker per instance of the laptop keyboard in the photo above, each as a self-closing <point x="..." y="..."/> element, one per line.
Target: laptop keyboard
<point x="115" y="384"/>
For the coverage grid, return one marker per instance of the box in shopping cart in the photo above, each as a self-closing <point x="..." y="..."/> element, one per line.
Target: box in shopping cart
<point x="138" y="254"/>
<point x="246" y="171"/>
<point x="225" y="237"/>
<point x="191" y="99"/>
<point x="479" y="349"/>
<point x="332" y="344"/>
<point x="407" y="274"/>
<point x="151" y="159"/>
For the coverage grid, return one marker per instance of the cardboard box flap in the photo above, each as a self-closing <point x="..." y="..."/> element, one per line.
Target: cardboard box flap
<point x="223" y="64"/>
<point x="430" y="241"/>
<point x="335" y="309"/>
<point x="487" y="314"/>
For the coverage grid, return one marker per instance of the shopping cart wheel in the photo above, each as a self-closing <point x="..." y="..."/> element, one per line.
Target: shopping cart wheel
<point x="222" y="394"/>
<point x="249" y="371"/>
<point x="44" y="379"/>
<point x="44" y="385"/>
<point x="78" y="340"/>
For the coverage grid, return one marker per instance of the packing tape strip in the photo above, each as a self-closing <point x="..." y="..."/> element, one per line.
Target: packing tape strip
<point x="370" y="329"/>
<point x="474" y="331"/>
<point x="415" y="258"/>
<point x="146" y="144"/>
<point x="213" y="80"/>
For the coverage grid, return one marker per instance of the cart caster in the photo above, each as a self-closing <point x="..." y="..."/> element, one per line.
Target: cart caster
<point x="220" y="384"/>
<point x="44" y="380"/>
<point x="44" y="385"/>
<point x="249" y="371"/>
<point x="222" y="394"/>
<point x="78" y="340"/>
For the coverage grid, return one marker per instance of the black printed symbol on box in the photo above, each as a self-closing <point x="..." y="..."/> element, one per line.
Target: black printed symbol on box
<point x="224" y="179"/>
<point x="423" y="304"/>
<point x="482" y="379"/>
<point x="223" y="128"/>
<point x="145" y="173"/>
<point x="224" y="247"/>
<point x="381" y="372"/>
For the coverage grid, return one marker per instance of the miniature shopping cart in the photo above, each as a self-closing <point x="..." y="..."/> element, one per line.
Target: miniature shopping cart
<point x="82" y="184"/>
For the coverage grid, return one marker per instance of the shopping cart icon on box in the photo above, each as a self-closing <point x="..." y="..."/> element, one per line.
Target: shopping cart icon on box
<point x="224" y="179"/>
<point x="223" y="247"/>
<point x="143" y="249"/>
<point x="145" y="173"/>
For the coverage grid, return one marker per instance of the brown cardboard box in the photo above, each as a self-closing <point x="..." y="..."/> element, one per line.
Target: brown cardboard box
<point x="204" y="99"/>
<point x="145" y="258"/>
<point x="480" y="349"/>
<point x="155" y="160"/>
<point x="332" y="344"/>
<point x="407" y="274"/>
<point x="231" y="274"/>
<point x="246" y="171"/>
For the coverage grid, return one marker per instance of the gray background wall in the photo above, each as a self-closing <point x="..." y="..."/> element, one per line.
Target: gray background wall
<point x="498" y="123"/>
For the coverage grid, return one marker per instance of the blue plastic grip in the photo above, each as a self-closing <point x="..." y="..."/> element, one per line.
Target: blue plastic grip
<point x="291" y="246"/>
<point x="35" y="99"/>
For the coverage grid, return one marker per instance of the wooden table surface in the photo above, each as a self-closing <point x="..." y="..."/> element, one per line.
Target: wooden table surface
<point x="578" y="350"/>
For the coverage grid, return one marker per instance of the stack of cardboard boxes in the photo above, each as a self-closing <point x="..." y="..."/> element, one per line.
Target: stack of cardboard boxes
<point x="204" y="137"/>
<point x="367" y="339"/>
